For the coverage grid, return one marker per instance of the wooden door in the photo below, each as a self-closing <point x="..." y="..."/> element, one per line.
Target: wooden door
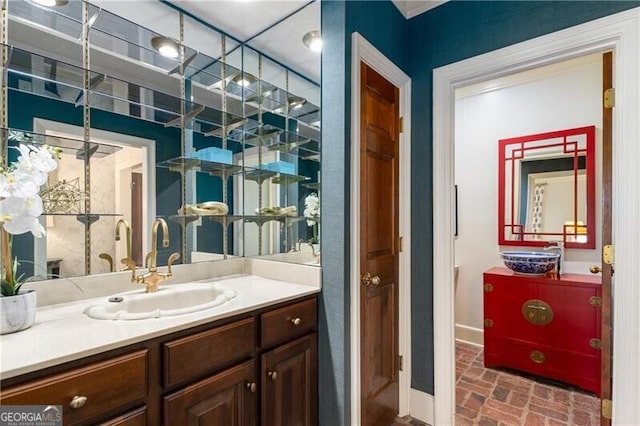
<point x="226" y="399"/>
<point x="136" y="217"/>
<point x="379" y="238"/>
<point x="607" y="239"/>
<point x="289" y="377"/>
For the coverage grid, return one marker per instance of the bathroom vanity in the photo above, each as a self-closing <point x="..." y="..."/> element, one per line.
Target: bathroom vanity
<point x="544" y="326"/>
<point x="251" y="362"/>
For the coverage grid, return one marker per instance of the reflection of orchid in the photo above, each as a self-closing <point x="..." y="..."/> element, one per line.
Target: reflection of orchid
<point x="20" y="203"/>
<point x="312" y="210"/>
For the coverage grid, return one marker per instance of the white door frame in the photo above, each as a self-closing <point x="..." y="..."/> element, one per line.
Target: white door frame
<point x="620" y="33"/>
<point x="364" y="51"/>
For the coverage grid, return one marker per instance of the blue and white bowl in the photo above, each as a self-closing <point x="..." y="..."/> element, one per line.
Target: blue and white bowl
<point x="530" y="262"/>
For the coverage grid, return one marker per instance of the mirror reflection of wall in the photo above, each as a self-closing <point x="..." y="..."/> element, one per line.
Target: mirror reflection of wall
<point x="137" y="94"/>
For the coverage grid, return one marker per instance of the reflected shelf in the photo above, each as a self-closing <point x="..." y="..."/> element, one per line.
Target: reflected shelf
<point x="82" y="148"/>
<point x="261" y="175"/>
<point x="183" y="164"/>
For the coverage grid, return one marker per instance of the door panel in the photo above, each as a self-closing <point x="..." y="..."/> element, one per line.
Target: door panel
<point x="607" y="235"/>
<point x="379" y="207"/>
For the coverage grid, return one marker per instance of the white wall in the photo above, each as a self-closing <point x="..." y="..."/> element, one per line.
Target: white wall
<point x="556" y="97"/>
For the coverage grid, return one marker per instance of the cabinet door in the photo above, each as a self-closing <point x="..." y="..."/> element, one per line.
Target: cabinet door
<point x="504" y="298"/>
<point x="226" y="399"/>
<point x="289" y="377"/>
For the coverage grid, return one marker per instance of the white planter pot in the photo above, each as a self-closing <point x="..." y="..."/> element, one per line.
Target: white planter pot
<point x="17" y="312"/>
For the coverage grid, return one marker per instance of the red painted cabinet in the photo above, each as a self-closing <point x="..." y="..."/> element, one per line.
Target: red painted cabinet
<point x="544" y="326"/>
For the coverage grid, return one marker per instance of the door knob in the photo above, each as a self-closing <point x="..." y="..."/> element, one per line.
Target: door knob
<point x="368" y="279"/>
<point x="595" y="269"/>
<point x="273" y="375"/>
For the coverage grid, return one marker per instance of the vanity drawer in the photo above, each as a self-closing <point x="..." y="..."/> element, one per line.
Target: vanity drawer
<point x="104" y="386"/>
<point x="208" y="351"/>
<point x="287" y="323"/>
<point x="132" y="418"/>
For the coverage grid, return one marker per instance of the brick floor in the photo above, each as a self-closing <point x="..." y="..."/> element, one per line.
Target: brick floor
<point x="493" y="397"/>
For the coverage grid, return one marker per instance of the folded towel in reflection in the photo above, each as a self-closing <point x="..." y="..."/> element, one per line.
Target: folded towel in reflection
<point x="206" y="208"/>
<point x="278" y="211"/>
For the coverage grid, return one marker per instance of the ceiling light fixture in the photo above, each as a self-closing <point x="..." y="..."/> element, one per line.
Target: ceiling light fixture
<point x="167" y="47"/>
<point x="51" y="3"/>
<point x="296" y="102"/>
<point x="313" y="40"/>
<point x="243" y="79"/>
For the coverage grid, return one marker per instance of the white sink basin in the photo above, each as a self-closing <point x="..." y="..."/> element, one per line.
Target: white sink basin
<point x="178" y="299"/>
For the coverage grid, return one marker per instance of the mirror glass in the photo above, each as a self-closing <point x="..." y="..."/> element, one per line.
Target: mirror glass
<point x="547" y="189"/>
<point x="221" y="141"/>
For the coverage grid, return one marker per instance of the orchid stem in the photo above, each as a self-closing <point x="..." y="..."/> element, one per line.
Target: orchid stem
<point x="6" y="255"/>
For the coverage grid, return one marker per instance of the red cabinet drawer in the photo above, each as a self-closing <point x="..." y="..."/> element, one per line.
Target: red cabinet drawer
<point x="566" y="366"/>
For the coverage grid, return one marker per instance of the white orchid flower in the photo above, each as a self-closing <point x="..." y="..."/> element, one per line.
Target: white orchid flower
<point x="20" y="215"/>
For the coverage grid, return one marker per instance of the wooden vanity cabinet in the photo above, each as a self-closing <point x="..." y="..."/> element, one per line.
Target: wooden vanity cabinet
<point x="544" y="326"/>
<point x="215" y="374"/>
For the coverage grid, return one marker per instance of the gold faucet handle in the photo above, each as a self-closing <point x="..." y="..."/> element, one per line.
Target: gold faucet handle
<point x="108" y="258"/>
<point x="172" y="258"/>
<point x="130" y="264"/>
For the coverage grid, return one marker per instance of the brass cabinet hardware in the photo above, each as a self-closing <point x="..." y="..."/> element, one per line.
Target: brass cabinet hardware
<point x="595" y="269"/>
<point x="595" y="343"/>
<point x="537" y="357"/>
<point x="537" y="312"/>
<point x="296" y="321"/>
<point x="488" y="288"/>
<point x="488" y="323"/>
<point x="607" y="408"/>
<point x="78" y="401"/>
<point x="368" y="280"/>
<point x="251" y="387"/>
<point x="595" y="301"/>
<point x="607" y="254"/>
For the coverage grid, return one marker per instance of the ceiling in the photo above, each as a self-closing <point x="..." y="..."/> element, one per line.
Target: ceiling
<point x="275" y="28"/>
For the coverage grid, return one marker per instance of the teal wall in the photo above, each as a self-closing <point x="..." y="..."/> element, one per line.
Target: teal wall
<point x="446" y="34"/>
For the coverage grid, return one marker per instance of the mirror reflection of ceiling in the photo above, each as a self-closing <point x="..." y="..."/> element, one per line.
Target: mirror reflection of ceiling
<point x="275" y="28"/>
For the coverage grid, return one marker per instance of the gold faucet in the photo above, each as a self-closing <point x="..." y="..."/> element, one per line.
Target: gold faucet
<point x="127" y="229"/>
<point x="153" y="278"/>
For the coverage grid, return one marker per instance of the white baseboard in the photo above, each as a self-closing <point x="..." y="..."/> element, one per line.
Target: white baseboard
<point x="421" y="406"/>
<point x="471" y="335"/>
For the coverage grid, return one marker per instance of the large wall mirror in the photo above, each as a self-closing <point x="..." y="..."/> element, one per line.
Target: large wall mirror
<point x="160" y="114"/>
<point x="547" y="189"/>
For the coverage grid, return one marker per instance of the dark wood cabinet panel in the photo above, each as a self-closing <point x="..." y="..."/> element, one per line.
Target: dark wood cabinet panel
<point x="226" y="399"/>
<point x="89" y="391"/>
<point x="192" y="356"/>
<point x="283" y="324"/>
<point x="289" y="377"/>
<point x="133" y="418"/>
<point x="544" y="326"/>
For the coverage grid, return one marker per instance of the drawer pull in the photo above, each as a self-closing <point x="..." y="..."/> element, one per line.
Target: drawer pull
<point x="538" y="357"/>
<point x="252" y="387"/>
<point x="296" y="321"/>
<point x="272" y="375"/>
<point x="78" y="402"/>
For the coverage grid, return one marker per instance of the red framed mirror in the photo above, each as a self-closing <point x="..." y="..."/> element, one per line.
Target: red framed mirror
<point x="546" y="189"/>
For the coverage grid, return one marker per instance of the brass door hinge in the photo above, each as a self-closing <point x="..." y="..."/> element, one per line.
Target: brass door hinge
<point x="488" y="323"/>
<point x="610" y="98"/>
<point x="400" y="362"/>
<point x="595" y="301"/>
<point x="607" y="409"/>
<point x="607" y="254"/>
<point x="401" y="124"/>
<point x="488" y="288"/>
<point x="595" y="343"/>
<point x="400" y="247"/>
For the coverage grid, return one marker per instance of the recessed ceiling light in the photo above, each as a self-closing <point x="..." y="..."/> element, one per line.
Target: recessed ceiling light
<point x="243" y="79"/>
<point x="313" y="40"/>
<point x="296" y="101"/>
<point x="166" y="46"/>
<point x="51" y="3"/>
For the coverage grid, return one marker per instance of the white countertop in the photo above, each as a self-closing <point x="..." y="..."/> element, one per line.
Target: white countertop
<point x="63" y="333"/>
